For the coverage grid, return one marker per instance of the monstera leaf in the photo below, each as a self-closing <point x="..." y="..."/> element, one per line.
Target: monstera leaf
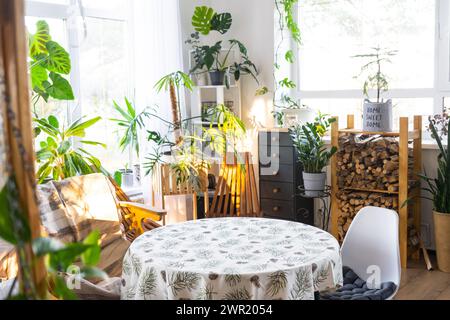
<point x="221" y="22"/>
<point x="38" y="41"/>
<point x="58" y="59"/>
<point x="38" y="75"/>
<point x="201" y="20"/>
<point x="59" y="88"/>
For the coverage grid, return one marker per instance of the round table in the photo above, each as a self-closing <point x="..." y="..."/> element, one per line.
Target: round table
<point x="231" y="258"/>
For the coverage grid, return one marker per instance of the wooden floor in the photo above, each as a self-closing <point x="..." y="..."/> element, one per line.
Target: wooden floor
<point x="420" y="284"/>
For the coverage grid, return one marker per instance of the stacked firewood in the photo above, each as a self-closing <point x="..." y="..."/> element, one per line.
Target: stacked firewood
<point x="371" y="164"/>
<point x="350" y="202"/>
<point x="368" y="175"/>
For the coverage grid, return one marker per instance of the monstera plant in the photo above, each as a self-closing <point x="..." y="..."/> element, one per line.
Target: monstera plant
<point x="215" y="59"/>
<point x="49" y="62"/>
<point x="206" y="20"/>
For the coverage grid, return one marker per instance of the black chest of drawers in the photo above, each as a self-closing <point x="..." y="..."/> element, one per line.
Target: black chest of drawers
<point x="280" y="174"/>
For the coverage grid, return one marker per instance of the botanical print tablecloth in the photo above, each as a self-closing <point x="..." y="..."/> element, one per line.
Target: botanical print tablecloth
<point x="233" y="259"/>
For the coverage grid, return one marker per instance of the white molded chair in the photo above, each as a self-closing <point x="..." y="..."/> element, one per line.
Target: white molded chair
<point x="373" y="240"/>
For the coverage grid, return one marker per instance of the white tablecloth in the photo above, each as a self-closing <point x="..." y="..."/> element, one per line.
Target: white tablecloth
<point x="231" y="258"/>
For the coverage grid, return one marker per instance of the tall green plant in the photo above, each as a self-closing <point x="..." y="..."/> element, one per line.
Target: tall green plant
<point x="129" y="123"/>
<point x="439" y="187"/>
<point x="49" y="63"/>
<point x="372" y="70"/>
<point x="312" y="152"/>
<point x="58" y="157"/>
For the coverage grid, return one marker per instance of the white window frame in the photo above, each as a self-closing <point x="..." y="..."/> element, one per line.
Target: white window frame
<point x="441" y="86"/>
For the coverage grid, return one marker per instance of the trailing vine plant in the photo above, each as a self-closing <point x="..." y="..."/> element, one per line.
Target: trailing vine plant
<point x="286" y="22"/>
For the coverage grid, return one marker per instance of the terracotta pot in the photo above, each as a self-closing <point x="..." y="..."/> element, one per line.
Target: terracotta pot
<point x="442" y="236"/>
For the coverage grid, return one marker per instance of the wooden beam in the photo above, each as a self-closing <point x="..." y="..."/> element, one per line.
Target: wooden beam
<point x="334" y="181"/>
<point x="19" y="125"/>
<point x="403" y="191"/>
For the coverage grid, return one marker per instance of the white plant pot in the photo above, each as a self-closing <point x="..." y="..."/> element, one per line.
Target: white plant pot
<point x="314" y="183"/>
<point x="377" y="116"/>
<point x="127" y="177"/>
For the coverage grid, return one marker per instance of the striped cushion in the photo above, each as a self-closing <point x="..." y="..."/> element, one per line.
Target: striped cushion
<point x="55" y="218"/>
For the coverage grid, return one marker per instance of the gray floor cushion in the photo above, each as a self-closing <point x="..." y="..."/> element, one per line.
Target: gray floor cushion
<point x="355" y="288"/>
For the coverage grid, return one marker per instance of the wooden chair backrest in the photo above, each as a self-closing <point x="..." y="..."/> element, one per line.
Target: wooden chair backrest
<point x="236" y="194"/>
<point x="164" y="181"/>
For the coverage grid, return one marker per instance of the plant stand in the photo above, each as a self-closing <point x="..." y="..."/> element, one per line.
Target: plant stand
<point x="325" y="197"/>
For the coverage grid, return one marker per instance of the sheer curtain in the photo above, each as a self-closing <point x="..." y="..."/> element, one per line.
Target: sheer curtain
<point x="157" y="52"/>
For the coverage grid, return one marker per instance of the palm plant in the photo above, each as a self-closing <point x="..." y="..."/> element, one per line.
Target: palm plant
<point x="439" y="187"/>
<point x="172" y="83"/>
<point x="311" y="149"/>
<point x="58" y="157"/>
<point x="130" y="122"/>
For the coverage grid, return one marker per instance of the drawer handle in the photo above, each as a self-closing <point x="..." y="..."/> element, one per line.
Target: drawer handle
<point x="276" y="209"/>
<point x="276" y="190"/>
<point x="274" y="139"/>
<point x="275" y="155"/>
<point x="275" y="173"/>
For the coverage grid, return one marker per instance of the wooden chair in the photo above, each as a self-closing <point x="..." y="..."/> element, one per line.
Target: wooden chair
<point x="136" y="218"/>
<point x="236" y="194"/>
<point x="164" y="183"/>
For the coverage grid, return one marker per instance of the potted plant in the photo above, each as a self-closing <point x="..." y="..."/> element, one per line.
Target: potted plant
<point x="214" y="59"/>
<point x="439" y="188"/>
<point x="377" y="116"/>
<point x="129" y="123"/>
<point x="312" y="152"/>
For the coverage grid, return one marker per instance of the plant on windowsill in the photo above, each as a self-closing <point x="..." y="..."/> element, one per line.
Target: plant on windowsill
<point x="129" y="123"/>
<point x="377" y="116"/>
<point x="312" y="152"/>
<point x="58" y="157"/>
<point x="439" y="189"/>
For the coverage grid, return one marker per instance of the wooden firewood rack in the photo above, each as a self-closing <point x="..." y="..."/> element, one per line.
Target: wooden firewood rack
<point x="408" y="196"/>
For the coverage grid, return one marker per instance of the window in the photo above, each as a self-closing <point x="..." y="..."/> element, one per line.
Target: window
<point x="334" y="31"/>
<point x="97" y="38"/>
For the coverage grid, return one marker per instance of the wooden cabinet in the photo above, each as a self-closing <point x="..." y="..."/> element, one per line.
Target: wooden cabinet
<point x="280" y="175"/>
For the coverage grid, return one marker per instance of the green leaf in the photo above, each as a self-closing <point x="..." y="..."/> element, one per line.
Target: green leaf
<point x="13" y="225"/>
<point x="61" y="290"/>
<point x="94" y="143"/>
<point x="92" y="255"/>
<point x="60" y="88"/>
<point x="289" y="56"/>
<point x="201" y="20"/>
<point x="118" y="177"/>
<point x="58" y="58"/>
<point x="63" y="258"/>
<point x="38" y="75"/>
<point x="44" y="246"/>
<point x="89" y="272"/>
<point x="64" y="147"/>
<point x="78" y="128"/>
<point x="38" y="41"/>
<point x="53" y="121"/>
<point x="221" y="22"/>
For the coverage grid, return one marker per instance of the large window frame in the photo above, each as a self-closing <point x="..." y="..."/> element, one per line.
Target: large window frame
<point x="36" y="8"/>
<point x="438" y="92"/>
